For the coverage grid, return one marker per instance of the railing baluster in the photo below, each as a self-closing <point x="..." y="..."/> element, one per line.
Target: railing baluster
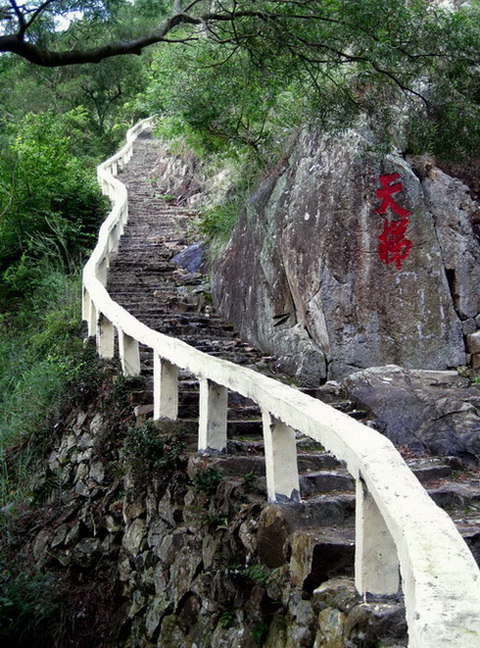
<point x="165" y="389"/>
<point x="212" y="423"/>
<point x="91" y="317"/>
<point x="376" y="558"/>
<point x="280" y="460"/>
<point x="113" y="240"/>
<point x="129" y="354"/>
<point x="105" y="337"/>
<point x="85" y="304"/>
<point x="102" y="272"/>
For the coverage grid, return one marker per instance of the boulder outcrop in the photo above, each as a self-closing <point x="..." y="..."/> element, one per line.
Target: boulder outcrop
<point x="437" y="412"/>
<point x="346" y="258"/>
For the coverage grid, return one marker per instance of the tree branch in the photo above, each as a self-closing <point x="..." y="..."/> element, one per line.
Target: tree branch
<point x="40" y="9"/>
<point x="20" y="17"/>
<point x="16" y="44"/>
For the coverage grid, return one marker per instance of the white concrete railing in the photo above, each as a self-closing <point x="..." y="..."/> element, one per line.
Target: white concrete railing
<point x="398" y="526"/>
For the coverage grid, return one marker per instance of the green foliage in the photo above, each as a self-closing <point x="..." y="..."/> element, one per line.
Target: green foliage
<point x="219" y="220"/>
<point x="227" y="619"/>
<point x="51" y="483"/>
<point x="50" y="205"/>
<point x="254" y="574"/>
<point x="214" y="91"/>
<point x="250" y="478"/>
<point x="125" y="385"/>
<point x="30" y="609"/>
<point x="251" y="81"/>
<point x="259" y="633"/>
<point x="206" y="481"/>
<point x="41" y="353"/>
<point x="151" y="454"/>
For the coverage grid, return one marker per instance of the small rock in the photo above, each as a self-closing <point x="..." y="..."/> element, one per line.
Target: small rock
<point x="138" y="604"/>
<point x="66" y="446"/>
<point x="468" y="326"/>
<point x="87" y="551"/>
<point x="82" y="471"/>
<point x="124" y="568"/>
<point x="160" y="578"/>
<point x="73" y="534"/>
<point x="112" y="525"/>
<point x="132" y="510"/>
<point x="156" y="532"/>
<point x="81" y="488"/>
<point x="96" y="424"/>
<point x="41" y="545"/>
<point x="53" y="461"/>
<point x="272" y="534"/>
<point x="338" y="593"/>
<point x="473" y="342"/>
<point x="372" y="621"/>
<point x="331" y="629"/>
<point x="192" y="258"/>
<point x="134" y="536"/>
<point x="81" y="417"/>
<point x="156" y="611"/>
<point x="85" y="441"/>
<point x="60" y="535"/>
<point x="97" y="471"/>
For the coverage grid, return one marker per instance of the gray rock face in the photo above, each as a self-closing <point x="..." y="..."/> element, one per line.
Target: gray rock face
<point x="453" y="209"/>
<point x="345" y="259"/>
<point x="435" y="411"/>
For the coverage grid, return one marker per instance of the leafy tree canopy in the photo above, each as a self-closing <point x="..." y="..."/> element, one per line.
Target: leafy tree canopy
<point x="348" y="53"/>
<point x="330" y="32"/>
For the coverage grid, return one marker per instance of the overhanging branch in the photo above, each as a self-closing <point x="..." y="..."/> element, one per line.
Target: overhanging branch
<point x="16" y="43"/>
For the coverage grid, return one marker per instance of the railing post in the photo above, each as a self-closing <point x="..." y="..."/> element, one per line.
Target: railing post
<point x="102" y="271"/>
<point x="91" y="316"/>
<point x="376" y="557"/>
<point x="212" y="423"/>
<point x="165" y="389"/>
<point x="129" y="354"/>
<point x="113" y="240"/>
<point x="85" y="304"/>
<point x="124" y="218"/>
<point x="280" y="460"/>
<point x="105" y="338"/>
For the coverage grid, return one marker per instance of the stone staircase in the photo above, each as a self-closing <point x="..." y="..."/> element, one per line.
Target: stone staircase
<point x="144" y="279"/>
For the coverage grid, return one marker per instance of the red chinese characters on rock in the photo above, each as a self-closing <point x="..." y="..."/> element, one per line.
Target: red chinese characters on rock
<point x="394" y="247"/>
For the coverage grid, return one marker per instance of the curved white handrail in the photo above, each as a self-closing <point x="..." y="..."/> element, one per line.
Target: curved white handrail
<point x="397" y="524"/>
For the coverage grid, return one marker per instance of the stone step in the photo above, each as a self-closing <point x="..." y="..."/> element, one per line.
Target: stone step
<point x="468" y="525"/>
<point x="321" y="554"/>
<point x="429" y="469"/>
<point x="454" y="496"/>
<point x="239" y="466"/>
<point x="315" y="482"/>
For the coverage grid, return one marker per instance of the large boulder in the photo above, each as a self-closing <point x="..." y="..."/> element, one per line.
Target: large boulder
<point x="345" y="258"/>
<point x="433" y="411"/>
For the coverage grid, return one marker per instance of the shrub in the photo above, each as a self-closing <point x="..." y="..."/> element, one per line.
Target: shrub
<point x="149" y="453"/>
<point x="30" y="609"/>
<point x="206" y="481"/>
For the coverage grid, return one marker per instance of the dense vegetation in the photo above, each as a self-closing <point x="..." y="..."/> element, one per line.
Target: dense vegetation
<point x="237" y="80"/>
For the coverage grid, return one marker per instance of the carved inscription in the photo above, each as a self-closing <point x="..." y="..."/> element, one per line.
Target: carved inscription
<point x="394" y="246"/>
